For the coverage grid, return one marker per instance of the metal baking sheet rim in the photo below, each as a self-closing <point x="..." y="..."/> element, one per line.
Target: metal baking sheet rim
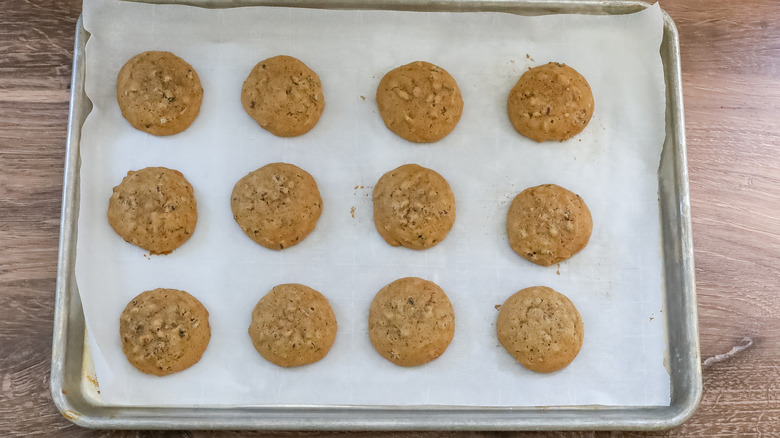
<point x="75" y="392"/>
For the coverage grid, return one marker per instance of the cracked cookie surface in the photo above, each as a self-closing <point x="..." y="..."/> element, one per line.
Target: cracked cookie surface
<point x="164" y="331"/>
<point x="550" y="102"/>
<point x="540" y="328"/>
<point x="284" y="96"/>
<point x="293" y="325"/>
<point x="411" y="322"/>
<point x="154" y="208"/>
<point x="277" y="205"/>
<point x="420" y="102"/>
<point x="413" y="207"/>
<point x="548" y="224"/>
<point x="159" y="93"/>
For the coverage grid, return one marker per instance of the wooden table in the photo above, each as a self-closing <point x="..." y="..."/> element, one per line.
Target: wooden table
<point x="731" y="75"/>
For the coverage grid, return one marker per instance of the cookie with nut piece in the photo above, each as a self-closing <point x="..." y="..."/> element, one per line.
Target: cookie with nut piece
<point x="159" y="93"/>
<point x="414" y="207"/>
<point x="548" y="224"/>
<point x="284" y="96"/>
<point x="550" y="102"/>
<point x="277" y="205"/>
<point x="420" y="102"/>
<point x="293" y="325"/>
<point x="411" y="322"/>
<point x="164" y="331"/>
<point x="541" y="328"/>
<point x="154" y="208"/>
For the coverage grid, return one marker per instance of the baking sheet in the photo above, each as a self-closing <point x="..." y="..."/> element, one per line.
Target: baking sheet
<point x="615" y="281"/>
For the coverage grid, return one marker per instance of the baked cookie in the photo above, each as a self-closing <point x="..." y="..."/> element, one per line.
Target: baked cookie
<point x="164" y="331"/>
<point x="411" y="322"/>
<point x="548" y="224"/>
<point x="420" y="102"/>
<point x="284" y="96"/>
<point x="153" y="208"/>
<point x="413" y="207"/>
<point x="550" y="102"/>
<point x="159" y="93"/>
<point x="293" y="325"/>
<point x="540" y="328"/>
<point x="277" y="205"/>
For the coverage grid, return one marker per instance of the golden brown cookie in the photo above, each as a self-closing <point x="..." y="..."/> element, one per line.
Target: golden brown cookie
<point x="159" y="93"/>
<point x="548" y="224"/>
<point x="154" y="208"/>
<point x="413" y="207"/>
<point x="284" y="96"/>
<point x="411" y="322"/>
<point x="550" y="102"/>
<point x="164" y="331"/>
<point x="277" y="205"/>
<point x="293" y="325"/>
<point x="540" y="328"/>
<point x="420" y="102"/>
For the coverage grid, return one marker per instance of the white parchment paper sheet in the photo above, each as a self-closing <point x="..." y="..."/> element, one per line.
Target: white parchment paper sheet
<point x="615" y="282"/>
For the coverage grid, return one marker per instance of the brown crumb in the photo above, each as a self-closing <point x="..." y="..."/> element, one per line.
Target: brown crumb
<point x="352" y="212"/>
<point x="363" y="97"/>
<point x="527" y="56"/>
<point x="93" y="380"/>
<point x="497" y="306"/>
<point x="362" y="187"/>
<point x="356" y="187"/>
<point x="651" y="318"/>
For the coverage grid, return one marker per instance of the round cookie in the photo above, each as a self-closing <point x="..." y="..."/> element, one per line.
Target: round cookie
<point x="277" y="205"/>
<point x="153" y="208"/>
<point x="159" y="93"/>
<point x="540" y="328"/>
<point x="420" y="102"/>
<point x="293" y="325"/>
<point x="550" y="102"/>
<point x="284" y="96"/>
<point x="164" y="331"/>
<point x="413" y="207"/>
<point x="411" y="322"/>
<point x="548" y="224"/>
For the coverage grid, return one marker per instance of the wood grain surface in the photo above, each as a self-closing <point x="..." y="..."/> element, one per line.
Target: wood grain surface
<point x="731" y="74"/>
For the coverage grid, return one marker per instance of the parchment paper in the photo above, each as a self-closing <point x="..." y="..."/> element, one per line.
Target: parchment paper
<point x="615" y="282"/>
